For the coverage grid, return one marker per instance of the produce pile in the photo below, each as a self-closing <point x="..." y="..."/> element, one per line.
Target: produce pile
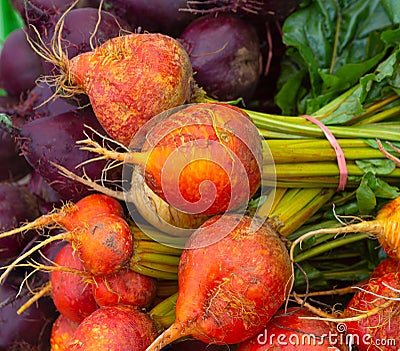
<point x="199" y="175"/>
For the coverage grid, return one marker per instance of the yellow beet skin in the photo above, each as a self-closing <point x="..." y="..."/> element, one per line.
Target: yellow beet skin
<point x="132" y="78"/>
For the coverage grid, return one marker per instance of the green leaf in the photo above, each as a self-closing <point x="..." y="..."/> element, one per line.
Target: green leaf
<point x="371" y="188"/>
<point x="376" y="166"/>
<point x="393" y="9"/>
<point x="349" y="39"/>
<point x="309" y="273"/>
<point x="366" y="198"/>
<point x="9" y="20"/>
<point x="6" y="121"/>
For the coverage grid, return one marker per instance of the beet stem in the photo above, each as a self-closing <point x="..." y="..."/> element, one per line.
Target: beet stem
<point x="373" y="227"/>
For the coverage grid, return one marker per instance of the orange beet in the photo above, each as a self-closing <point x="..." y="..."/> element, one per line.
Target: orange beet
<point x="61" y="333"/>
<point x="388" y="265"/>
<point x="231" y="288"/>
<point x="71" y="294"/>
<point x="379" y="331"/>
<point x="201" y="148"/>
<point x="289" y="331"/>
<point x="126" y="287"/>
<point x="104" y="244"/>
<point x="72" y="216"/>
<point x="101" y="237"/>
<point x="131" y="78"/>
<point x="116" y="328"/>
<point x="89" y="207"/>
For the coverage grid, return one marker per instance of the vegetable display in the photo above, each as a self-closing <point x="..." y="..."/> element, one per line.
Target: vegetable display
<point x="199" y="175"/>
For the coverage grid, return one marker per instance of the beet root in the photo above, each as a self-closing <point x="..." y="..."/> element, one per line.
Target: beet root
<point x="17" y="167"/>
<point x="71" y="294"/>
<point x="31" y="329"/>
<point x="157" y="75"/>
<point x="126" y="287"/>
<point x="225" y="55"/>
<point x="381" y="328"/>
<point x="230" y="289"/>
<point x="290" y="330"/>
<point x="16" y="206"/>
<point x="61" y="333"/>
<point x="117" y="328"/>
<point x="20" y="66"/>
<point x="52" y="139"/>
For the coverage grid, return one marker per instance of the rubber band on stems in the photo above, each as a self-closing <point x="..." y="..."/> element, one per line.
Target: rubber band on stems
<point x="341" y="160"/>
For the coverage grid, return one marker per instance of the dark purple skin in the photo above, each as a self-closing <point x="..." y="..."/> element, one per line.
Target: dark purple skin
<point x="17" y="206"/>
<point x="153" y="16"/>
<point x="31" y="330"/>
<point x="53" y="139"/>
<point x="39" y="11"/>
<point x="225" y="55"/>
<point x="42" y="102"/>
<point x="47" y="197"/>
<point x="269" y="8"/>
<point x="17" y="167"/>
<point x="20" y="66"/>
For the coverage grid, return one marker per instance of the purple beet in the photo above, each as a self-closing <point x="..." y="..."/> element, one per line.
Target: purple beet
<point x="47" y="197"/>
<point x="16" y="207"/>
<point x="269" y="8"/>
<point x="225" y="55"/>
<point x="153" y="16"/>
<point x="16" y="165"/>
<point x="53" y="139"/>
<point x="20" y="66"/>
<point x="31" y="330"/>
<point x="39" y="12"/>
<point x="42" y="102"/>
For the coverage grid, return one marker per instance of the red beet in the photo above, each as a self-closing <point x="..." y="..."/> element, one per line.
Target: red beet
<point x="229" y="288"/>
<point x="17" y="167"/>
<point x="225" y="55"/>
<point x="53" y="139"/>
<point x="154" y="16"/>
<point x="72" y="295"/>
<point x="117" y="328"/>
<point x="20" y="66"/>
<point x="41" y="102"/>
<point x="268" y="8"/>
<point x="31" y="329"/>
<point x="16" y="206"/>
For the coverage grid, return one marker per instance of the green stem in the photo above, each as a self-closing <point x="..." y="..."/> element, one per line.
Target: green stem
<point x="154" y="273"/>
<point x="330" y="245"/>
<point x="149" y="257"/>
<point x="143" y="246"/>
<point x="288" y="125"/>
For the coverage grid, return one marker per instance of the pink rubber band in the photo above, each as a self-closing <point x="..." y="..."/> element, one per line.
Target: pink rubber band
<point x="341" y="160"/>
